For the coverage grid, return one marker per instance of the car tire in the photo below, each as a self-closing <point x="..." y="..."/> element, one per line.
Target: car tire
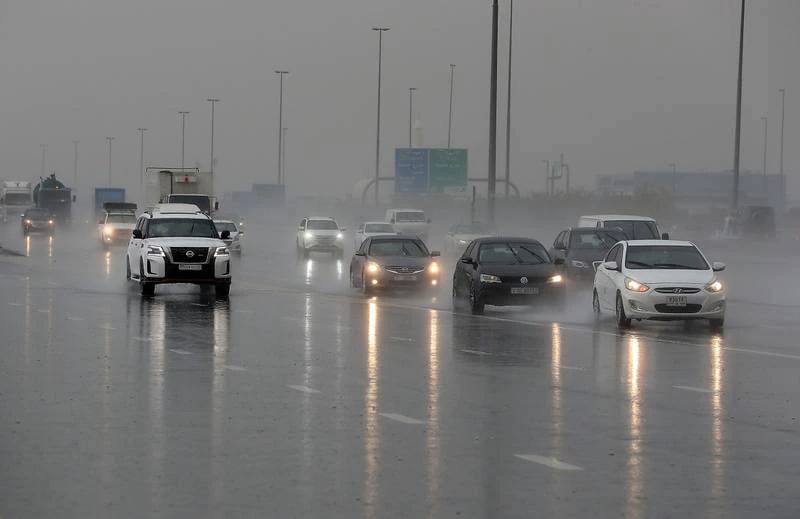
<point x="716" y="324"/>
<point x="623" y="321"/>
<point x="127" y="268"/>
<point x="148" y="289"/>
<point x="222" y="290"/>
<point x="476" y="303"/>
<point x="353" y="279"/>
<point x="595" y="305"/>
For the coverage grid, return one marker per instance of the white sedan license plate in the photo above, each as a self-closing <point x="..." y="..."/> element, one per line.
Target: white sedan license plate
<point x="527" y="291"/>
<point x="676" y="300"/>
<point x="190" y="267"/>
<point x="405" y="278"/>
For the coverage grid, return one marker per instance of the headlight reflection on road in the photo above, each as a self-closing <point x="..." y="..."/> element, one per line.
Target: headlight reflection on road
<point x="108" y="264"/>
<point x="28" y="245"/>
<point x="433" y="432"/>
<point x="49" y="246"/>
<point x="372" y="428"/>
<point x="309" y="271"/>
<point x="717" y="458"/>
<point x="555" y="392"/>
<point x="634" y="502"/>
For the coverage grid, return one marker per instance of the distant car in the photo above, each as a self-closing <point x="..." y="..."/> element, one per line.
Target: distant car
<point x="318" y="234"/>
<point x="369" y="229"/>
<point x="116" y="223"/>
<point x="37" y="220"/>
<point x="394" y="262"/>
<point x="460" y="235"/>
<point x="661" y="280"/>
<point x="502" y="271"/>
<point x="411" y="222"/>
<point x="235" y="234"/>
<point x="634" y="227"/>
<point x="581" y="247"/>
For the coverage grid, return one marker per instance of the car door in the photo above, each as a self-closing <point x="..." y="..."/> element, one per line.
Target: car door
<point x="459" y="276"/>
<point x="135" y="246"/>
<point x="469" y="270"/>
<point x="605" y="279"/>
<point x="559" y="249"/>
<point x="301" y="232"/>
<point x="357" y="265"/>
<point x="358" y="237"/>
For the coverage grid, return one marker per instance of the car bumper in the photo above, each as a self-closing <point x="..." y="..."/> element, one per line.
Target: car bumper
<point x="323" y="246"/>
<point x="420" y="280"/>
<point x="160" y="271"/>
<point x="502" y="294"/>
<point x="653" y="306"/>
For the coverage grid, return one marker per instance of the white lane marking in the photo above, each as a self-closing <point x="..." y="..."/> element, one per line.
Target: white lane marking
<point x="406" y="339"/>
<point x="695" y="389"/>
<point x="475" y="352"/>
<point x="16" y="304"/>
<point x="235" y="368"/>
<point x="106" y="327"/>
<point x="142" y="339"/>
<point x="303" y="389"/>
<point x="401" y="418"/>
<point x="73" y="318"/>
<point x="180" y="352"/>
<point x="572" y="368"/>
<point x="547" y="462"/>
<point x="762" y="352"/>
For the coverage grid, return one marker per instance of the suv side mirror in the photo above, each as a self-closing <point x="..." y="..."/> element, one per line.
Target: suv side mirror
<point x="137" y="233"/>
<point x="360" y="254"/>
<point x="718" y="266"/>
<point x="558" y="261"/>
<point x="467" y="260"/>
<point x="225" y="235"/>
<point x="435" y="253"/>
<point x="301" y="228"/>
<point x="343" y="229"/>
<point x="665" y="236"/>
<point x="611" y="265"/>
<point x="216" y="206"/>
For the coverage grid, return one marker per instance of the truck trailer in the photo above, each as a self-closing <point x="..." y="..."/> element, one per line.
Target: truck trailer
<point x="15" y="197"/>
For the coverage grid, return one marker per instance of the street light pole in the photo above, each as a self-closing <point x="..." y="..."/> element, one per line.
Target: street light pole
<point x="281" y="73"/>
<point x="737" y="145"/>
<point x="141" y="162"/>
<point x="380" y="31"/>
<point x="110" y="140"/>
<point x="44" y="159"/>
<point x="764" y="156"/>
<point x="508" y="96"/>
<point x="183" y="137"/>
<point x="450" y="116"/>
<point x="283" y="151"/>
<point x="492" y="176"/>
<point x="410" y="115"/>
<point x="213" y="102"/>
<point x="783" y="116"/>
<point x="75" y="167"/>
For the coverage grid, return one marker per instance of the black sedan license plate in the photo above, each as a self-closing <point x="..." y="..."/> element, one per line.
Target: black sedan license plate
<point x="676" y="300"/>
<point x="405" y="278"/>
<point x="527" y="291"/>
<point x="190" y="267"/>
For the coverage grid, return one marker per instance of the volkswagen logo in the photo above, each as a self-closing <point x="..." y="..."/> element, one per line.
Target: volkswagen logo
<point x="190" y="254"/>
<point x="523" y="280"/>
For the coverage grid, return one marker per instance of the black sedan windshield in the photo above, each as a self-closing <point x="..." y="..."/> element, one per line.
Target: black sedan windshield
<point x="668" y="257"/>
<point x="513" y="253"/>
<point x="411" y="248"/>
<point x="603" y="240"/>
<point x="181" y="227"/>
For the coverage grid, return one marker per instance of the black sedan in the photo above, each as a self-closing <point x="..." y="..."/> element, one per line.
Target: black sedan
<point x="580" y="247"/>
<point x="37" y="220"/>
<point x="507" y="271"/>
<point x="394" y="261"/>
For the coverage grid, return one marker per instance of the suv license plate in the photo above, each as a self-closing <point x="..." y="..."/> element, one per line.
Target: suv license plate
<point x="528" y="291"/>
<point x="190" y="267"/>
<point x="676" y="300"/>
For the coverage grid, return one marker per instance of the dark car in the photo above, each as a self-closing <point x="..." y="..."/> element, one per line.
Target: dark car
<point x="37" y="220"/>
<point x="581" y="246"/>
<point x="394" y="261"/>
<point x="507" y="271"/>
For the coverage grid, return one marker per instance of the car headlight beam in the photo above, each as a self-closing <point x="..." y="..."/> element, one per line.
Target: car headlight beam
<point x="308" y="235"/>
<point x="155" y="250"/>
<point x="489" y="278"/>
<point x="555" y="280"/>
<point x="373" y="268"/>
<point x="635" y="286"/>
<point x="715" y="286"/>
<point x="221" y="251"/>
<point x="433" y="268"/>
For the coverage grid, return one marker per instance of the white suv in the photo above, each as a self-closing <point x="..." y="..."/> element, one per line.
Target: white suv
<point x="320" y="234"/>
<point x="177" y="243"/>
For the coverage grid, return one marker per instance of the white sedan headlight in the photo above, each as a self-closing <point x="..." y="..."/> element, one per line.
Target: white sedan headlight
<point x="635" y="286"/>
<point x="715" y="286"/>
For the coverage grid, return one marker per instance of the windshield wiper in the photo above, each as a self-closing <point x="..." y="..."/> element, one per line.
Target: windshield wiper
<point x="675" y="266"/>
<point x="541" y="259"/>
<point x="640" y="264"/>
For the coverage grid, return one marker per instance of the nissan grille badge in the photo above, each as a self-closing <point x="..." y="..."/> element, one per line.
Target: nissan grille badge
<point x="523" y="280"/>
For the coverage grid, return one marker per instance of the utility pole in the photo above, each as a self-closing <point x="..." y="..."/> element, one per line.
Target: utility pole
<point x="450" y="116"/>
<point x="508" y="96"/>
<point x="783" y="118"/>
<point x="281" y="73"/>
<point x="380" y="31"/>
<point x="183" y="137"/>
<point x="764" y="156"/>
<point x="213" y="102"/>
<point x="283" y="173"/>
<point x="141" y="162"/>
<point x="410" y="116"/>
<point x="44" y="159"/>
<point x="548" y="177"/>
<point x="75" y="166"/>
<point x="110" y="140"/>
<point x="492" y="176"/>
<point x="737" y="145"/>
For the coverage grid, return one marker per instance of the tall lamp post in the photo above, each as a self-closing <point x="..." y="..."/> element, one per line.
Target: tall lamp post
<point x="764" y="155"/>
<point x="380" y="31"/>
<point x="183" y="137"/>
<point x="44" y="159"/>
<point x="410" y="115"/>
<point x="450" y="116"/>
<point x="110" y="140"/>
<point x="281" y="73"/>
<point x="213" y="102"/>
<point x="141" y="162"/>
<point x="737" y="145"/>
<point x="508" y="96"/>
<point x="492" y="176"/>
<point x="783" y="118"/>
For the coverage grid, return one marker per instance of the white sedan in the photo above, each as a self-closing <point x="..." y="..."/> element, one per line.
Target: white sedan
<point x="659" y="280"/>
<point x="370" y="229"/>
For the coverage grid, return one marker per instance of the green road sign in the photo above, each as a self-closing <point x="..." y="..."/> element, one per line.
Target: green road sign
<point x="447" y="170"/>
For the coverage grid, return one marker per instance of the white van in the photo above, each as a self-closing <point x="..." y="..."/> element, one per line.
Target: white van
<point x="409" y="221"/>
<point x="634" y="227"/>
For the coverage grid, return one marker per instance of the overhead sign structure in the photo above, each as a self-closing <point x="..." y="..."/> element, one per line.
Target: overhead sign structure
<point x="430" y="170"/>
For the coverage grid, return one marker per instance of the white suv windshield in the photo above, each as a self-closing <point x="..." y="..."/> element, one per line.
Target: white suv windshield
<point x="411" y="217"/>
<point x="181" y="227"/>
<point x="321" y="225"/>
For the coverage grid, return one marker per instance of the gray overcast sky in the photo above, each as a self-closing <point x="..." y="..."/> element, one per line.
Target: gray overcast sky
<point x="618" y="85"/>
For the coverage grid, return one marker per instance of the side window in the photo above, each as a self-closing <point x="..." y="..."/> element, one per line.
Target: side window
<point x="557" y="242"/>
<point x="614" y="254"/>
<point x="645" y="231"/>
<point x="140" y="223"/>
<point x="565" y="240"/>
<point x="145" y="225"/>
<point x="468" y="251"/>
<point x="474" y="253"/>
<point x="365" y="246"/>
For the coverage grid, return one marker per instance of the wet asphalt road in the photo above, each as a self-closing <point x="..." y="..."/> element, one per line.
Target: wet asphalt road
<point x="299" y="398"/>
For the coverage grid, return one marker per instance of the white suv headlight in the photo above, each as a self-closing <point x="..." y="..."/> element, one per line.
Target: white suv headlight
<point x="339" y="236"/>
<point x="308" y="235"/>
<point x="221" y="251"/>
<point x="155" y="250"/>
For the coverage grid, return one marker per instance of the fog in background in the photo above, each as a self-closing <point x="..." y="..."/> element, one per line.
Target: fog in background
<point x="617" y="85"/>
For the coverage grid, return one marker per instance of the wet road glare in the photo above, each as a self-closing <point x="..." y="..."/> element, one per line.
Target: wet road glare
<point x="299" y="397"/>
